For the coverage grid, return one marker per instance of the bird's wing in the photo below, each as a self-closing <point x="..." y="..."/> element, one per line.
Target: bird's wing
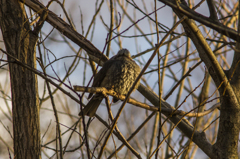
<point x="99" y="77"/>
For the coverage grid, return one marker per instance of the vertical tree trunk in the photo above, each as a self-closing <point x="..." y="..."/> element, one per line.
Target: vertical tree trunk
<point x="20" y="42"/>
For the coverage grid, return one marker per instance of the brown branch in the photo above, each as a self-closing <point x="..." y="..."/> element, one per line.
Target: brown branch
<point x="164" y="110"/>
<point x="222" y="29"/>
<point x="95" y="54"/>
<point x="37" y="72"/>
<point x="182" y="78"/>
<point x="230" y="104"/>
<point x="212" y="10"/>
<point x="68" y="31"/>
<point x="103" y="90"/>
<point x="121" y="137"/>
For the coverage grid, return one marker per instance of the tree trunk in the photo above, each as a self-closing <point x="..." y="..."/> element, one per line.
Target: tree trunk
<point x="20" y="43"/>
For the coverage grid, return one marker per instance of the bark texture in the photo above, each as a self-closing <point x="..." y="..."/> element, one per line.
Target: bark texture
<point x="20" y="42"/>
<point x="227" y="82"/>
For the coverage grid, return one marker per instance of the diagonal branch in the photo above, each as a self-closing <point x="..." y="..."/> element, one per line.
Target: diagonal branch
<point x="206" y="55"/>
<point x="227" y="136"/>
<point x="95" y="54"/>
<point x="165" y="110"/>
<point x="208" y="21"/>
<point x="68" y="31"/>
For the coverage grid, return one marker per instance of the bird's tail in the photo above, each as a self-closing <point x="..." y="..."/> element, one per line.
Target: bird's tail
<point x="91" y="108"/>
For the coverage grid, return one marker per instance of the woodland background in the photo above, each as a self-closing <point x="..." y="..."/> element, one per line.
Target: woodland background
<point x="187" y="72"/>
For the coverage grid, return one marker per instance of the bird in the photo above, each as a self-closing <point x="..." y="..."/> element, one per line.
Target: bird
<point x="118" y="74"/>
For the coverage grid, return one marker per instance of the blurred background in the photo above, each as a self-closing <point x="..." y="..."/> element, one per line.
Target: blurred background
<point x="134" y="25"/>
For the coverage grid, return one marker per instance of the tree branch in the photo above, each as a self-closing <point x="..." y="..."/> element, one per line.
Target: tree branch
<point x="95" y="54"/>
<point x="185" y="10"/>
<point x="227" y="135"/>
<point x="167" y="111"/>
<point x="68" y="31"/>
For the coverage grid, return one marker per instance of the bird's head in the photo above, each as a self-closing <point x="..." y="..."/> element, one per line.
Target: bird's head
<point x="124" y="52"/>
